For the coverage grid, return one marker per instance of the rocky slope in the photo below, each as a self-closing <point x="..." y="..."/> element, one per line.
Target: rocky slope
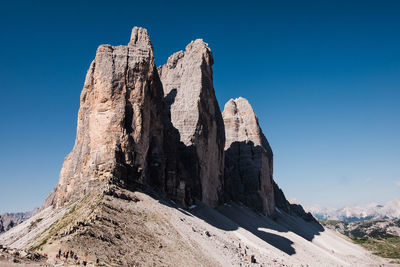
<point x="121" y="227"/>
<point x="366" y="229"/>
<point x="381" y="236"/>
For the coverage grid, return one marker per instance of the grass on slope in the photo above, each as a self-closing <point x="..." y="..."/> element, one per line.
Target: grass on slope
<point x="387" y="247"/>
<point x="59" y="225"/>
<point x="330" y="222"/>
<point x="376" y="239"/>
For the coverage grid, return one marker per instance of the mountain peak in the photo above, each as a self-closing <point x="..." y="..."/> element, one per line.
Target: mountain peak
<point x="193" y="108"/>
<point x="243" y="124"/>
<point x="119" y="122"/>
<point x="150" y="170"/>
<point x="139" y="37"/>
<point x="248" y="158"/>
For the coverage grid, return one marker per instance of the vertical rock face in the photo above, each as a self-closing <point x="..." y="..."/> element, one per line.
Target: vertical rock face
<point x="248" y="158"/>
<point x="163" y="128"/>
<point x="120" y="130"/>
<point x="187" y="80"/>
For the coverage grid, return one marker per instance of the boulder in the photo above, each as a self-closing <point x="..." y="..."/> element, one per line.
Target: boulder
<point x="251" y="259"/>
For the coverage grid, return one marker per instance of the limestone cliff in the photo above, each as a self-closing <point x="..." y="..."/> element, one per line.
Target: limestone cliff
<point x="187" y="80"/>
<point x="146" y="136"/>
<point x="248" y="158"/>
<point x="120" y="130"/>
<point x="163" y="129"/>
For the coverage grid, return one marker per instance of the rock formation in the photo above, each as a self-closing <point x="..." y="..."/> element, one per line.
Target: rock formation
<point x="163" y="129"/>
<point x="146" y="136"/>
<point x="248" y="158"/>
<point x="9" y="220"/>
<point x="129" y="135"/>
<point x="187" y="80"/>
<point x="120" y="130"/>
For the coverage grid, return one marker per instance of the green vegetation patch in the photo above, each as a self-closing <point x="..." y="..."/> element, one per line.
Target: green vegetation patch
<point x="386" y="247"/>
<point x="68" y="218"/>
<point x="331" y="222"/>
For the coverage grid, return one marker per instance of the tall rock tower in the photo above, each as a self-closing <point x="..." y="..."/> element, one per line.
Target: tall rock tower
<point x="187" y="80"/>
<point x="159" y="130"/>
<point x="248" y="158"/>
<point x="120" y="130"/>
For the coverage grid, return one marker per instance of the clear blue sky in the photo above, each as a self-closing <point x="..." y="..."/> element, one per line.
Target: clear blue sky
<point x="323" y="77"/>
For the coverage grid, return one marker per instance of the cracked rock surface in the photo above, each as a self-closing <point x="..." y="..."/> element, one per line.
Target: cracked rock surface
<point x="248" y="158"/>
<point x="187" y="80"/>
<point x="120" y="130"/>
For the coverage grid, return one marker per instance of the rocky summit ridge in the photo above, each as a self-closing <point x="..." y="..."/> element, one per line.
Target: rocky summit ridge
<point x="148" y="134"/>
<point x="161" y="128"/>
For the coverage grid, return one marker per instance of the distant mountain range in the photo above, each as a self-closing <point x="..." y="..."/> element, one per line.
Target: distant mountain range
<point x="390" y="210"/>
<point x="9" y="220"/>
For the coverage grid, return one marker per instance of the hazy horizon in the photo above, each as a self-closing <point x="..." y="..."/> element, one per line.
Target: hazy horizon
<point x="323" y="79"/>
